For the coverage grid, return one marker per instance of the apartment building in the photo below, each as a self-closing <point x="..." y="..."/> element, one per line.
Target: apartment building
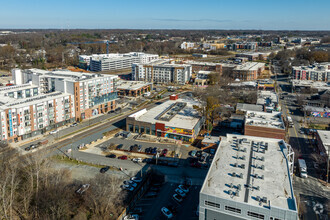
<point x="162" y="72"/>
<point x="205" y="66"/>
<point x="317" y="72"/>
<point x="249" y="178"/>
<point x="248" y="71"/>
<point x="93" y="93"/>
<point x="26" y="112"/>
<point x="187" y="45"/>
<point x="253" y="56"/>
<point x="243" y="46"/>
<point x="115" y="61"/>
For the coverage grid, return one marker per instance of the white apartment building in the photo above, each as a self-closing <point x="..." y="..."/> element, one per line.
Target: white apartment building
<point x="317" y="72"/>
<point x="162" y="73"/>
<point x="249" y="178"/>
<point x="25" y="112"/>
<point x="42" y="100"/>
<point x="187" y="45"/>
<point x="115" y="61"/>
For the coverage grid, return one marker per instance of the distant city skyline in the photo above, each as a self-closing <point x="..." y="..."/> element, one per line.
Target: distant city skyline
<point x="148" y="14"/>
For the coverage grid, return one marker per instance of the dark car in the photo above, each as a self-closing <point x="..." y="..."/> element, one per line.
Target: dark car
<point x="74" y="124"/>
<point x="193" y="160"/>
<point x="104" y="169"/>
<point x="28" y="148"/>
<point x="154" y="150"/>
<point x="199" y="153"/>
<point x="111" y="155"/>
<point x="196" y="165"/>
<point x="120" y="146"/>
<point x="164" y="152"/>
<point x="147" y="150"/>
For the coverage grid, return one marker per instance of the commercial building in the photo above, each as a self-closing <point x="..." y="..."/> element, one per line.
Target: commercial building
<point x="115" y="61"/>
<point x="248" y="71"/>
<point x="176" y="119"/>
<point x="323" y="142"/>
<point x="202" y="78"/>
<point x="242" y="108"/>
<point x="93" y="93"/>
<point x="249" y="178"/>
<point x="269" y="100"/>
<point x="263" y="124"/>
<point x="309" y="84"/>
<point x="160" y="72"/>
<point x="253" y="56"/>
<point x="132" y="88"/>
<point x="205" y="66"/>
<point x="317" y="72"/>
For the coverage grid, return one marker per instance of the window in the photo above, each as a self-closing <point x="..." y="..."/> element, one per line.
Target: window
<point x="136" y="129"/>
<point x="147" y="130"/>
<point x="232" y="209"/>
<point x="256" y="215"/>
<point x="216" y="205"/>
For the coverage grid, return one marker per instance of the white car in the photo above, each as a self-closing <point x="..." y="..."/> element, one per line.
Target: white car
<point x="53" y="132"/>
<point x="137" y="160"/>
<point x="167" y="212"/>
<point x="183" y="188"/>
<point x="131" y="217"/>
<point x="180" y="192"/>
<point x="136" y="179"/>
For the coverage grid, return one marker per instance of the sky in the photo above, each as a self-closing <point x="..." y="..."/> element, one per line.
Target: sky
<point x="166" y="14"/>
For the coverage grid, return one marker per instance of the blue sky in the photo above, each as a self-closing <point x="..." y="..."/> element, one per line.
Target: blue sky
<point x="169" y="14"/>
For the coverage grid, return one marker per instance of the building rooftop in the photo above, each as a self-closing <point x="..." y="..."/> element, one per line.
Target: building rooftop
<point x="173" y="113"/>
<point x="267" y="98"/>
<point x="264" y="119"/>
<point x="211" y="140"/>
<point x="249" y="107"/>
<point x="312" y="84"/>
<point x="324" y="136"/>
<point x="131" y="85"/>
<point x="251" y="170"/>
<point x="249" y="66"/>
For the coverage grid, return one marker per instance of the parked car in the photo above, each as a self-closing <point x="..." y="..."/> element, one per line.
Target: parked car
<point x="137" y="160"/>
<point x="180" y="192"/>
<point x="193" y="153"/>
<point x="183" y="188"/>
<point x="74" y="124"/>
<point x="192" y="159"/>
<point x="164" y="152"/>
<point x="131" y="217"/>
<point x="127" y="187"/>
<point x="131" y="183"/>
<point x="148" y="150"/>
<point x="104" y="169"/>
<point x="53" y="132"/>
<point x="212" y="151"/>
<point x="139" y="148"/>
<point x="177" y="198"/>
<point x="82" y="188"/>
<point x="196" y="165"/>
<point x="167" y="212"/>
<point x="199" y="153"/>
<point x="154" y="150"/>
<point x="124" y="157"/>
<point x="120" y="146"/>
<point x="111" y="155"/>
<point x="28" y="148"/>
<point x="136" y="179"/>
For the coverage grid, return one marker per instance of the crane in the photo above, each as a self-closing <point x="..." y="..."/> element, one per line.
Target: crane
<point x="93" y="42"/>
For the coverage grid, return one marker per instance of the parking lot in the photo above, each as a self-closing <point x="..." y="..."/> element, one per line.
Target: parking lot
<point x="151" y="206"/>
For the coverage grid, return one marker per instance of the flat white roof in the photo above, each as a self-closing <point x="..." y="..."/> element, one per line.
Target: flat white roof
<point x="131" y="85"/>
<point x="186" y="118"/>
<point x="245" y="168"/>
<point x="324" y="136"/>
<point x="249" y="66"/>
<point x="264" y="119"/>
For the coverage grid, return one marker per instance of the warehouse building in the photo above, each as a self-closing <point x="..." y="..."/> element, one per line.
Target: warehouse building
<point x="249" y="178"/>
<point x="263" y="124"/>
<point x="176" y="119"/>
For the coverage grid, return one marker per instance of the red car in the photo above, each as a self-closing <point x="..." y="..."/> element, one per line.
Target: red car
<point x="196" y="164"/>
<point x="164" y="153"/>
<point x="124" y="157"/>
